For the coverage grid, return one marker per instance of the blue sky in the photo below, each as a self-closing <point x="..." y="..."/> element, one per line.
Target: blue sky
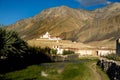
<point x="14" y="10"/>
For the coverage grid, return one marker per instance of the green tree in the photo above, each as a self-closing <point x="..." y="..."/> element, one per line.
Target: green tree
<point x="11" y="44"/>
<point x="53" y="52"/>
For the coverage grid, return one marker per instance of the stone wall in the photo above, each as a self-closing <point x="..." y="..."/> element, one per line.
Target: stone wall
<point x="112" y="68"/>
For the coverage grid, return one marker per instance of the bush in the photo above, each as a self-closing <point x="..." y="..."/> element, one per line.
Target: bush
<point x="37" y="55"/>
<point x="113" y="57"/>
<point x="67" y="52"/>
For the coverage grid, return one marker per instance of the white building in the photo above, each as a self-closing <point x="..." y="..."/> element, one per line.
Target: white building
<point x="105" y="52"/>
<point x="49" y="37"/>
<point x="86" y="52"/>
<point x="59" y="49"/>
<point x="46" y="36"/>
<point x="95" y="52"/>
<point x="55" y="38"/>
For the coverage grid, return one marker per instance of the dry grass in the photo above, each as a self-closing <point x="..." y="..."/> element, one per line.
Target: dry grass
<point x="63" y="43"/>
<point x="104" y="43"/>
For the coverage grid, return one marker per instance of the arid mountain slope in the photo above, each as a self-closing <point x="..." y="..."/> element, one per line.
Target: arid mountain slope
<point x="101" y="25"/>
<point x="54" y="20"/>
<point x="106" y="25"/>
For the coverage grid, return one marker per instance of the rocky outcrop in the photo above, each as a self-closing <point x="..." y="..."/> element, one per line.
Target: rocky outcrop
<point x="112" y="68"/>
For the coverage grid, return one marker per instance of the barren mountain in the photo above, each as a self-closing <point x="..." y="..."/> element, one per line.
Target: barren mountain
<point x="54" y="20"/>
<point x="92" y="27"/>
<point x="104" y="27"/>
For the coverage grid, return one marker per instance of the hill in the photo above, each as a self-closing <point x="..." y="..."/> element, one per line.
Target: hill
<point x="104" y="29"/>
<point x="101" y="26"/>
<point x="54" y="20"/>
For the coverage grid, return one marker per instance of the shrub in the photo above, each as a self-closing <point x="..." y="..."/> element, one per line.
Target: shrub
<point x="113" y="57"/>
<point x="37" y="55"/>
<point x="67" y="52"/>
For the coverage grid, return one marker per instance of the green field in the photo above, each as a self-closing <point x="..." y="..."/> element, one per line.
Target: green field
<point x="84" y="69"/>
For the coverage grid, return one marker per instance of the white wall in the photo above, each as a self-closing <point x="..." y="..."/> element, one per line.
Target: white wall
<point x="95" y="52"/>
<point x="105" y="52"/>
<point x="85" y="52"/>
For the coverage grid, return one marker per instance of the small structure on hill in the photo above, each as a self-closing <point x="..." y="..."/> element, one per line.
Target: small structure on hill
<point x="49" y="37"/>
<point x="46" y="36"/>
<point x="118" y="46"/>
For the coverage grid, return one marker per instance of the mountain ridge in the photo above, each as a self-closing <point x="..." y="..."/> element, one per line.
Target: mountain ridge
<point x="73" y="24"/>
<point x="63" y="18"/>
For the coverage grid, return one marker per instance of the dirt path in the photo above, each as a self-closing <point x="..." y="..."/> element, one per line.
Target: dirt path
<point x="95" y="72"/>
<point x="96" y="75"/>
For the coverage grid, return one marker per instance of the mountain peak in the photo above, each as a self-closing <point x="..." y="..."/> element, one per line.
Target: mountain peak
<point x="113" y="6"/>
<point x="63" y="7"/>
<point x="53" y="12"/>
<point x="116" y="3"/>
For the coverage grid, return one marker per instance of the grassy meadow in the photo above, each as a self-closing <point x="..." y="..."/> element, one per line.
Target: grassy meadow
<point x="82" y="69"/>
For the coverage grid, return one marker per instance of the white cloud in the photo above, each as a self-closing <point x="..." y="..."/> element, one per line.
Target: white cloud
<point x="91" y="2"/>
<point x="108" y="2"/>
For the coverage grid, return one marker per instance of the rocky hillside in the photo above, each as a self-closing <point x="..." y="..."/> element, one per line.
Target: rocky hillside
<point x="54" y="20"/>
<point x="105" y="25"/>
<point x="74" y="24"/>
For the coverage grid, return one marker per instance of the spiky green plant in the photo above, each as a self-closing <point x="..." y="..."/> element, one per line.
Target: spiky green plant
<point x="11" y="44"/>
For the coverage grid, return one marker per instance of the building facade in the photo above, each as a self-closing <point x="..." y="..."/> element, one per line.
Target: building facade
<point x="105" y="52"/>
